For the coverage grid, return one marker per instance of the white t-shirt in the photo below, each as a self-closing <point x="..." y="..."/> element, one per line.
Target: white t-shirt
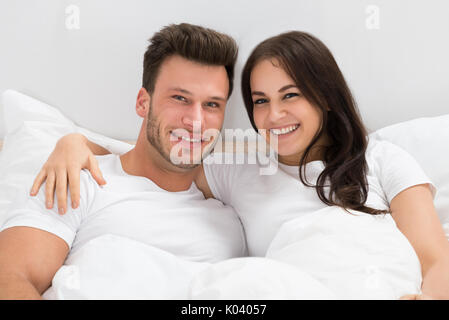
<point x="182" y="223"/>
<point x="265" y="202"/>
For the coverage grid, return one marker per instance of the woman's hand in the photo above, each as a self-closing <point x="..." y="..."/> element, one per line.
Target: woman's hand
<point x="70" y="156"/>
<point x="416" y="297"/>
<point x="416" y="217"/>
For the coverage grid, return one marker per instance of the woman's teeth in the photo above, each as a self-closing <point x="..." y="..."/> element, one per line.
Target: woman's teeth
<point x="284" y="130"/>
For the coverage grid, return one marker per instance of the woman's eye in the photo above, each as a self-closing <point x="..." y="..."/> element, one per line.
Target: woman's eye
<point x="290" y="95"/>
<point x="260" y="101"/>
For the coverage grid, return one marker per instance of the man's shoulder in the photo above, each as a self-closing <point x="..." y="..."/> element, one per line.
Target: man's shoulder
<point x="107" y="160"/>
<point x="108" y="166"/>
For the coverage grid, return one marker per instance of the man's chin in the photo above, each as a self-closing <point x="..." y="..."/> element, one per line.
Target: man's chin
<point x="186" y="166"/>
<point x="185" y="160"/>
<point x="190" y="158"/>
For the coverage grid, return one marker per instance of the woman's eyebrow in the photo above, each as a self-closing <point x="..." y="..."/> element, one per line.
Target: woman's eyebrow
<point x="287" y="87"/>
<point x="260" y="93"/>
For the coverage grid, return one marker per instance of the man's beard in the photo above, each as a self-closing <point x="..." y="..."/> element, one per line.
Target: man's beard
<point x="154" y="138"/>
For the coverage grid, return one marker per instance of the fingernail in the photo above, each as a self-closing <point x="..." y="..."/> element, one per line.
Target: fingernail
<point x="61" y="210"/>
<point x="32" y="192"/>
<point x="48" y="205"/>
<point x="74" y="204"/>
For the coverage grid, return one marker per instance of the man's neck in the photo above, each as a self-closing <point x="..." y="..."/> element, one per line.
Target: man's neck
<point x="140" y="161"/>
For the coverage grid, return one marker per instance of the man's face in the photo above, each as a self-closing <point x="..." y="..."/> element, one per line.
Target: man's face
<point x="186" y="107"/>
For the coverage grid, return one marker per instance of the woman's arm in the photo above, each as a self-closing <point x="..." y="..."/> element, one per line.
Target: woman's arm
<point x="416" y="217"/>
<point x="72" y="153"/>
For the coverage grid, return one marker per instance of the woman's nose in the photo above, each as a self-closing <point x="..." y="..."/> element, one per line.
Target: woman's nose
<point x="276" y="113"/>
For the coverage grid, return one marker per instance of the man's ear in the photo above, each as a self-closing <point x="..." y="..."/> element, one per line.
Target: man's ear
<point x="142" y="103"/>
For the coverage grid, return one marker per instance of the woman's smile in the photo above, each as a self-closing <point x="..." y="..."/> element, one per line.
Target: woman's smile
<point x="284" y="131"/>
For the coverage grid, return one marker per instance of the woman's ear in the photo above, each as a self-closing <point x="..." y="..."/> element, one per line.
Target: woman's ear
<point x="142" y="103"/>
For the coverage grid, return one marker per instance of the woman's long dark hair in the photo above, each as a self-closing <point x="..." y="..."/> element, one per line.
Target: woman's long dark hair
<point x="313" y="68"/>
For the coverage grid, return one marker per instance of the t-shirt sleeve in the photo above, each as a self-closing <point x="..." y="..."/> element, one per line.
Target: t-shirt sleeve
<point x="221" y="177"/>
<point x="28" y="211"/>
<point x="396" y="169"/>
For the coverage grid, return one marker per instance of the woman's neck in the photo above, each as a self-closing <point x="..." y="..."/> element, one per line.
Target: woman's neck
<point x="316" y="153"/>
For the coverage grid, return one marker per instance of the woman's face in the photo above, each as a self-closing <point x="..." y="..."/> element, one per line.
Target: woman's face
<point x="282" y="111"/>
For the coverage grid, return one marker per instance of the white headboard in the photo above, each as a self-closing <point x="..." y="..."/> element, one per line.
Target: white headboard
<point x="85" y="57"/>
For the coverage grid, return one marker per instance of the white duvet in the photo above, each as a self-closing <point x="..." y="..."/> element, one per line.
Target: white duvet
<point x="330" y="254"/>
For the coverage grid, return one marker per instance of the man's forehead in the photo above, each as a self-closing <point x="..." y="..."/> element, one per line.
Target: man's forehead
<point x="193" y="78"/>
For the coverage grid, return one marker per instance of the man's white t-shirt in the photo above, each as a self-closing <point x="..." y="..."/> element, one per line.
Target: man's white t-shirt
<point x="265" y="202"/>
<point x="182" y="223"/>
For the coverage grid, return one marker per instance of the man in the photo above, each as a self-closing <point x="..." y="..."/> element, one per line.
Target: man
<point x="187" y="79"/>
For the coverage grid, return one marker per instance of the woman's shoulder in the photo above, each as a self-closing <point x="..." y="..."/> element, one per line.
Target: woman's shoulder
<point x="247" y="163"/>
<point x="381" y="149"/>
<point x="383" y="156"/>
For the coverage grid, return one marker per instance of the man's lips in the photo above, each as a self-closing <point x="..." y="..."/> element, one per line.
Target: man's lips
<point x="191" y="138"/>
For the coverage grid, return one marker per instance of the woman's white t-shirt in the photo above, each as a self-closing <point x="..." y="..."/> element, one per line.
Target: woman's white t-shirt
<point x="265" y="202"/>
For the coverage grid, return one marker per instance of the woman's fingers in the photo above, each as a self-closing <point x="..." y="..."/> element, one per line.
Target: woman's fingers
<point x="61" y="190"/>
<point x="74" y="186"/>
<point x="416" y="297"/>
<point x="95" y="170"/>
<point x="49" y="189"/>
<point x="38" y="182"/>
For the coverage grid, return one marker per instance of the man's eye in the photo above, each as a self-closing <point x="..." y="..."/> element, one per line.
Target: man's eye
<point x="260" y="101"/>
<point x="213" y="104"/>
<point x="290" y="95"/>
<point x="180" y="98"/>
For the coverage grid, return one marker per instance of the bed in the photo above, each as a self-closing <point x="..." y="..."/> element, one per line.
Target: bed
<point x="33" y="127"/>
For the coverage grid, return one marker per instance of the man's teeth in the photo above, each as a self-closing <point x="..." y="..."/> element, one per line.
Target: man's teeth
<point x="191" y="140"/>
<point x="285" y="130"/>
<point x="188" y="139"/>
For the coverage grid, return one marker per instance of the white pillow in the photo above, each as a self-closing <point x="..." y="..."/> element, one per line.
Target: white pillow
<point x="427" y="140"/>
<point x="32" y="129"/>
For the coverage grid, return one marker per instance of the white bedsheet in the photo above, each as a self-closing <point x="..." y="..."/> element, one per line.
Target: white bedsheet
<point x="115" y="267"/>
<point x="327" y="255"/>
<point x="357" y="256"/>
<point x="347" y="256"/>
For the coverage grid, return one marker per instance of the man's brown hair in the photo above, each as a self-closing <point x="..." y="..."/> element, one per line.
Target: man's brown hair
<point x="191" y="42"/>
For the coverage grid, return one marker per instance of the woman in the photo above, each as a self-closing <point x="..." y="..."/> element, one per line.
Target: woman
<point x="294" y="91"/>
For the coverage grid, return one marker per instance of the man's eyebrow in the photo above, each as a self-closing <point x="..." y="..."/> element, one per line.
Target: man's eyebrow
<point x="190" y="93"/>
<point x="218" y="98"/>
<point x="180" y="90"/>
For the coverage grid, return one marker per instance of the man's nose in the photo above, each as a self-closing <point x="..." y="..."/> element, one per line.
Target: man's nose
<point x="193" y="118"/>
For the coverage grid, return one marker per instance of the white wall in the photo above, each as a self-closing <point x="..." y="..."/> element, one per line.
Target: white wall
<point x="397" y="72"/>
